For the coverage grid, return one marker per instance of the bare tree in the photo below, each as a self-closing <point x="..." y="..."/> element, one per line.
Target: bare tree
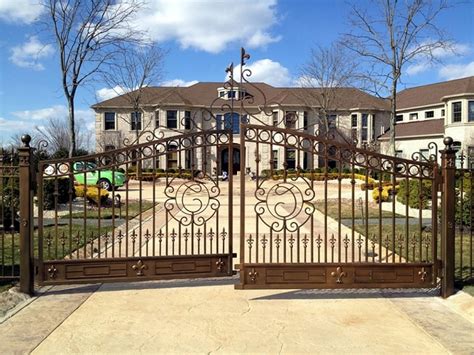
<point x="391" y="35"/>
<point x="134" y="69"/>
<point x="327" y="71"/>
<point x="88" y="34"/>
<point x="57" y="135"/>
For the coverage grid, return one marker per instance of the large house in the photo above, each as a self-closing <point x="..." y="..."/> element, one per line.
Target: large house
<point x="424" y="114"/>
<point x="351" y="114"/>
<point x="429" y="113"/>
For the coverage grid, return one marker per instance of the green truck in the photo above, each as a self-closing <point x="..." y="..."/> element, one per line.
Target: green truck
<point x="86" y="173"/>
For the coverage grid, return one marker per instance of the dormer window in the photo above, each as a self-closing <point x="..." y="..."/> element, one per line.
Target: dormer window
<point x="232" y="93"/>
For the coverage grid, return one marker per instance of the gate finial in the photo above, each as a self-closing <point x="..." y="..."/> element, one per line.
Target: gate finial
<point x="448" y="142"/>
<point x="26" y="139"/>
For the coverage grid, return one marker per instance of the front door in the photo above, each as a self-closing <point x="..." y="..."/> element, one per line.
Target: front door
<point x="225" y="160"/>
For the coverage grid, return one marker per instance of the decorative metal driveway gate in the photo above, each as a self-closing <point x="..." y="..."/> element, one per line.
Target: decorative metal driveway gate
<point x="298" y="236"/>
<point x="175" y="225"/>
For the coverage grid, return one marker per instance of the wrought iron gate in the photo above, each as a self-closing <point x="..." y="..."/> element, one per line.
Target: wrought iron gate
<point x="317" y="229"/>
<point x="153" y="224"/>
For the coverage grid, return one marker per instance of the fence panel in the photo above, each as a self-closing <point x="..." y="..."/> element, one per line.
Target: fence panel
<point x="9" y="221"/>
<point x="464" y="219"/>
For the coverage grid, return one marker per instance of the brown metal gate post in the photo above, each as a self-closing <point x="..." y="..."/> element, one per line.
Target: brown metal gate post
<point x="448" y="207"/>
<point x="26" y="217"/>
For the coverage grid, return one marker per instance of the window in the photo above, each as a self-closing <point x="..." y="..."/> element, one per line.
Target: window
<point x="229" y="121"/>
<point x="232" y="121"/>
<point x="290" y="119"/>
<point x="429" y="114"/>
<point x="136" y="121"/>
<point x="157" y="119"/>
<point x="187" y="119"/>
<point x="109" y="120"/>
<point x="275" y="118"/>
<point x="365" y="121"/>
<point x="275" y="159"/>
<point x="109" y="147"/>
<point x="290" y="158"/>
<point x="353" y="121"/>
<point x="332" y="121"/>
<point x="172" y="119"/>
<point x="443" y="112"/>
<point x="456" y="111"/>
<point x="305" y="119"/>
<point x="413" y="116"/>
<point x="470" y="110"/>
<point x="372" y="132"/>
<point x="172" y="157"/>
<point x="382" y="130"/>
<point x="221" y="93"/>
<point x="398" y="118"/>
<point x="231" y="94"/>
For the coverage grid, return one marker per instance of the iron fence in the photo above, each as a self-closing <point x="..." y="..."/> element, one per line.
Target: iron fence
<point x="9" y="218"/>
<point x="464" y="218"/>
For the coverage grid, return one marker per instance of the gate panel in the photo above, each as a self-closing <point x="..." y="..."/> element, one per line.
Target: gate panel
<point x="320" y="227"/>
<point x="165" y="214"/>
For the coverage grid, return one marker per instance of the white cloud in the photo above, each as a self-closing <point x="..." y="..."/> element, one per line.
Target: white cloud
<point x="210" y="25"/>
<point x="108" y="93"/>
<point x="29" y="53"/>
<point x="455" y="71"/>
<point x="179" y="82"/>
<point x="56" y="111"/>
<point x="25" y="11"/>
<point x="268" y="71"/>
<point x="424" y="63"/>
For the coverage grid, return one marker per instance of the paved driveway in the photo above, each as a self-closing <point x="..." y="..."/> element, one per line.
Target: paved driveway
<point x="206" y="316"/>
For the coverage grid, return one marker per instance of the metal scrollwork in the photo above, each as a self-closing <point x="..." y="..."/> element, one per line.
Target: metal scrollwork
<point x="284" y="205"/>
<point x="192" y="202"/>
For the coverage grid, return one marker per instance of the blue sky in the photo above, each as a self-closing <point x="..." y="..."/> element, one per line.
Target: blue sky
<point x="201" y="37"/>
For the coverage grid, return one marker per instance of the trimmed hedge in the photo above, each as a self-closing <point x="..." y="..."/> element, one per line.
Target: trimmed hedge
<point x="92" y="193"/>
<point x="414" y="193"/>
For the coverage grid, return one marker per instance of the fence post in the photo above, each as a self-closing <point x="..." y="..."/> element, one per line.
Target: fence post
<point x="26" y="217"/>
<point x="448" y="209"/>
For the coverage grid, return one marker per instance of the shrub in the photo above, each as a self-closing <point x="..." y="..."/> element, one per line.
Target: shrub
<point x="49" y="188"/>
<point x="387" y="191"/>
<point x="464" y="216"/>
<point x="381" y="195"/>
<point x="414" y="193"/>
<point x="92" y="193"/>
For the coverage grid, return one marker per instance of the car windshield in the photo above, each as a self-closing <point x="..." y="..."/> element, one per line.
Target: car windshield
<point x="85" y="166"/>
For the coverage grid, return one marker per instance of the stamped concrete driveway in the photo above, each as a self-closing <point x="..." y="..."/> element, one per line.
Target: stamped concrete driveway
<point x="205" y="316"/>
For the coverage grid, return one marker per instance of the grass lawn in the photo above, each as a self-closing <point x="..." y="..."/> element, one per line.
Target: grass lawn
<point x="461" y="272"/>
<point x="57" y="243"/>
<point x="108" y="212"/>
<point x="346" y="210"/>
